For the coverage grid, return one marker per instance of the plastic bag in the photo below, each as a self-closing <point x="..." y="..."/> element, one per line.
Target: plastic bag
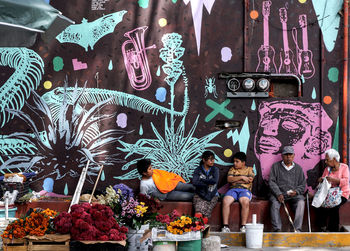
<point x="321" y="194"/>
<point x="333" y="198"/>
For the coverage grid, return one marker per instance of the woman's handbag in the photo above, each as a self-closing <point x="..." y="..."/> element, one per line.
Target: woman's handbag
<point x="321" y="194"/>
<point x="333" y="198"/>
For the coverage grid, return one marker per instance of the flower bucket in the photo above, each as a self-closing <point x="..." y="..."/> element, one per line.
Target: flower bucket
<point x="195" y="245"/>
<point x="164" y="246"/>
<point x="134" y="237"/>
<point x="12" y="212"/>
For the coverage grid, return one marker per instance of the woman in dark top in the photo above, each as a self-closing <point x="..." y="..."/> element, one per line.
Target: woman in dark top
<point x="205" y="180"/>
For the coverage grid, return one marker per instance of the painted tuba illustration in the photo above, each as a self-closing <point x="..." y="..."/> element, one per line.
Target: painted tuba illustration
<point x="135" y="58"/>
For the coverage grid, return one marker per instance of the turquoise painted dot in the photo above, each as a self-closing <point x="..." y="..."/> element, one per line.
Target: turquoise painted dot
<point x="141" y="130"/>
<point x="158" y="71"/>
<point x="103" y="177"/>
<point x="65" y="189"/>
<point x="254" y="169"/>
<point x="302" y="79"/>
<point x="313" y="95"/>
<point x="333" y="74"/>
<point x="110" y="65"/>
<point x="143" y="3"/>
<point x="174" y="1"/>
<point x="253" y="107"/>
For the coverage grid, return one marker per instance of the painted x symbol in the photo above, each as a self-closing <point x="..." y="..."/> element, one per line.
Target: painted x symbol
<point x="218" y="108"/>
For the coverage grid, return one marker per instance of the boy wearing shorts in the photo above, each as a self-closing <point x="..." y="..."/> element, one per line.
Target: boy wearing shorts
<point x="240" y="178"/>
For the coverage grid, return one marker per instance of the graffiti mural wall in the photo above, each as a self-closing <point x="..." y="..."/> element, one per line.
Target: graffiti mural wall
<point x="139" y="79"/>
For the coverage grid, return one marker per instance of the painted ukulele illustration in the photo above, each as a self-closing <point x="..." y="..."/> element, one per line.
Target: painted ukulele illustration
<point x="266" y="53"/>
<point x="286" y="55"/>
<point x="304" y="59"/>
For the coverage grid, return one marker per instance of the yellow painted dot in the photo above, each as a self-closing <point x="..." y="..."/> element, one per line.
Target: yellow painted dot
<point x="327" y="100"/>
<point x="302" y="1"/>
<point x="228" y="153"/>
<point x="162" y="22"/>
<point x="254" y="14"/>
<point x="47" y="84"/>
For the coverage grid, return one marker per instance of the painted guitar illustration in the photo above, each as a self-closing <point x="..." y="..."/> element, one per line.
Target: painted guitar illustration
<point x="304" y="59"/>
<point x="266" y="53"/>
<point x="286" y="55"/>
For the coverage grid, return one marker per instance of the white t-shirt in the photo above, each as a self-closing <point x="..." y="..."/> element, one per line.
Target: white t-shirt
<point x="147" y="186"/>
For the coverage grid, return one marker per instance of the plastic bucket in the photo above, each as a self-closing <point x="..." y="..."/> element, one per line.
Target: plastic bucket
<point x="164" y="246"/>
<point x="254" y="235"/>
<point x="133" y="238"/>
<point x="12" y="212"/>
<point x="190" y="245"/>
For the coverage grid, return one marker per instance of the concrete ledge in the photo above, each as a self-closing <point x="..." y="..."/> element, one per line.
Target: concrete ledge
<point x="330" y="240"/>
<point x="259" y="207"/>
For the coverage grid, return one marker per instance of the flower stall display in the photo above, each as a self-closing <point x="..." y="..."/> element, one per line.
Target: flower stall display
<point x="129" y="211"/>
<point x="88" y="222"/>
<point x="162" y="220"/>
<point x="38" y="222"/>
<point x="178" y="228"/>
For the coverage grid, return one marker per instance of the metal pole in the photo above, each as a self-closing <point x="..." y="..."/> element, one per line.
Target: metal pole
<point x="76" y="196"/>
<point x="98" y="178"/>
<point x="308" y="210"/>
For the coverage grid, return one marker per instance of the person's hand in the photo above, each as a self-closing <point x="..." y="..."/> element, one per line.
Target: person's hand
<point x="250" y="179"/>
<point x="292" y="193"/>
<point x="320" y="179"/>
<point x="245" y="179"/>
<point x="280" y="198"/>
<point x="332" y="180"/>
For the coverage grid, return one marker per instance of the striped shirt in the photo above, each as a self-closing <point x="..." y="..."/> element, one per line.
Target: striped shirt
<point x="247" y="171"/>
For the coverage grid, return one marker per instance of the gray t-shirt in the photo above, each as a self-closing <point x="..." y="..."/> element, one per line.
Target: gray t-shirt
<point x="148" y="187"/>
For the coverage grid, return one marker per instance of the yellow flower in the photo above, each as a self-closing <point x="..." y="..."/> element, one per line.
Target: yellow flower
<point x="183" y="217"/>
<point x="181" y="232"/>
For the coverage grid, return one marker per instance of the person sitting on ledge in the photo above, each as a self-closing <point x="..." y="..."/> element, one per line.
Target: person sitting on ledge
<point x="287" y="184"/>
<point x="337" y="175"/>
<point x="241" y="179"/>
<point x="205" y="179"/>
<point x="163" y="185"/>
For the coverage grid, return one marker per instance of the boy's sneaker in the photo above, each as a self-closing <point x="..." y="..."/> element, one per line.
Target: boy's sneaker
<point x="225" y="229"/>
<point x="242" y="229"/>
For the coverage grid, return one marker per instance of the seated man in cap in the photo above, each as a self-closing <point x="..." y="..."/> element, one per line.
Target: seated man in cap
<point x="287" y="184"/>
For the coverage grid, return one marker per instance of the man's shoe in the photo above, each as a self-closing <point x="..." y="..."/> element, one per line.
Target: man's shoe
<point x="242" y="229"/>
<point x="225" y="230"/>
<point x="277" y="230"/>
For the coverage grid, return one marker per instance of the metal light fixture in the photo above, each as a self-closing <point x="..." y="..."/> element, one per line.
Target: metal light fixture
<point x="263" y="84"/>
<point x="233" y="84"/>
<point x="248" y="84"/>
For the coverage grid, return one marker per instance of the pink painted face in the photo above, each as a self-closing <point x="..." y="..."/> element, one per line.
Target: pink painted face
<point x="292" y="123"/>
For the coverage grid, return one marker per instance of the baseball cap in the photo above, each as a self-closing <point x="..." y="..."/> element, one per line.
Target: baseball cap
<point x="288" y="150"/>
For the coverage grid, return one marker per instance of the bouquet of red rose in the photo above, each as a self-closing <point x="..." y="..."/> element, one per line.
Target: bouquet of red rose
<point x="162" y="220"/>
<point x="88" y="222"/>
